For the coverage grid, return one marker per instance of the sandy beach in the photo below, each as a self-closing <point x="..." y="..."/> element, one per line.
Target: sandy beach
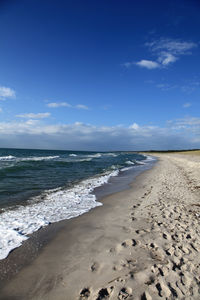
<point x="143" y="243"/>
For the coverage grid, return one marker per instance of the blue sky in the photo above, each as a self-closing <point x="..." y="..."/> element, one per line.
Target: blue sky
<point x="100" y="75"/>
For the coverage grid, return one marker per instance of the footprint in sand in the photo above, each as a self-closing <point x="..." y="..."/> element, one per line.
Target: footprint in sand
<point x="146" y="296"/>
<point x="94" y="267"/>
<point x="84" y="294"/>
<point x="125" y="293"/>
<point x="129" y="243"/>
<point x="104" y="293"/>
<point x="126" y="244"/>
<point x="126" y="229"/>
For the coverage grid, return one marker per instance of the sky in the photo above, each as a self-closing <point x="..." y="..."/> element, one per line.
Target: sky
<point x="100" y="75"/>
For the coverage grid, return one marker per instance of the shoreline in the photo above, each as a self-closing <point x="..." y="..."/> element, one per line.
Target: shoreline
<point x="66" y="201"/>
<point x="25" y="254"/>
<point x="143" y="243"/>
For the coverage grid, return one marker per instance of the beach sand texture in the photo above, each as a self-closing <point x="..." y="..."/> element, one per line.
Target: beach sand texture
<point x="143" y="243"/>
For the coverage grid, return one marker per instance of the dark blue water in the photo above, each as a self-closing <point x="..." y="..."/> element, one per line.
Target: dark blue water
<point x="25" y="173"/>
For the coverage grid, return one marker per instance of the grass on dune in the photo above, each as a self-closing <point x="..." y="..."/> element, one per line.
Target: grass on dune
<point x="192" y="152"/>
<point x="186" y="152"/>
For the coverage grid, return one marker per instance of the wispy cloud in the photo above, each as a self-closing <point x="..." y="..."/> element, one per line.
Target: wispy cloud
<point x="190" y="86"/>
<point x="149" y="64"/>
<point x="81" y="106"/>
<point x="187" y="104"/>
<point x="6" y="92"/>
<point x="58" y="104"/>
<point x="66" y="104"/>
<point x="166" y="58"/>
<point x="165" y="86"/>
<point x="166" y="51"/>
<point x="173" y="46"/>
<point x="169" y="50"/>
<point x="34" y="116"/>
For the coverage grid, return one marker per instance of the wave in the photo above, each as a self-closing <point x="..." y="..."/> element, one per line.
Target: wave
<point x="31" y="158"/>
<point x="82" y="159"/>
<point x="149" y="158"/>
<point x="129" y="162"/>
<point x="6" y="158"/>
<point x="126" y="168"/>
<point x="51" y="206"/>
<point x="74" y="160"/>
<point x="41" y="158"/>
<point x="105" y="154"/>
<point x="37" y="158"/>
<point x="97" y="155"/>
<point x="110" y="154"/>
<point x="138" y="162"/>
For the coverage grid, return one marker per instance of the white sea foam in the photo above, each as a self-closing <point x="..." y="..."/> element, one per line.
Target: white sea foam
<point x="77" y="159"/>
<point x="114" y="167"/>
<point x="32" y="158"/>
<point x="149" y="158"/>
<point x="57" y="205"/>
<point x="5" y="158"/>
<point x="110" y="154"/>
<point x="97" y="155"/>
<point x="126" y="168"/>
<point x="83" y="159"/>
<point x="129" y="162"/>
<point x="37" y="158"/>
<point x="140" y="162"/>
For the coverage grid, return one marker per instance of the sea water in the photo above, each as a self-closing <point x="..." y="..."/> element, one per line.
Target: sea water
<point x="39" y="187"/>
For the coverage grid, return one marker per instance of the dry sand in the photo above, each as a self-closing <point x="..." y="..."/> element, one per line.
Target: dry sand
<point x="143" y="243"/>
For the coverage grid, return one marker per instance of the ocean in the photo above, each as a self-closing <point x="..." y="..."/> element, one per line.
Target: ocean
<point x="39" y="187"/>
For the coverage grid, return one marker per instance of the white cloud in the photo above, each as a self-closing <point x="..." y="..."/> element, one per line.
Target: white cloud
<point x="81" y="106"/>
<point x="34" y="116"/>
<point x="166" y="58"/>
<point x="134" y="126"/>
<point x="65" y="104"/>
<point x="58" y="104"/>
<point x="6" y="92"/>
<point x="31" y="122"/>
<point x="187" y="104"/>
<point x="1" y="109"/>
<point x="174" y="46"/>
<point x="188" y="122"/>
<point x="177" y="134"/>
<point x="167" y="51"/>
<point x="149" y="64"/>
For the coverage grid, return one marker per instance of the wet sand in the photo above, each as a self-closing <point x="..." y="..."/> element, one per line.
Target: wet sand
<point x="143" y="243"/>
